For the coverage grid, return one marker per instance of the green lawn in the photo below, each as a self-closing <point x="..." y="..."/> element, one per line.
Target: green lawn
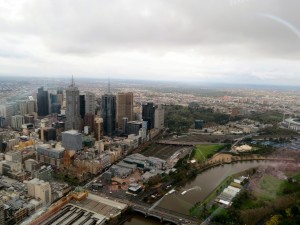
<point x="203" y="152"/>
<point x="297" y="177"/>
<point x="269" y="187"/>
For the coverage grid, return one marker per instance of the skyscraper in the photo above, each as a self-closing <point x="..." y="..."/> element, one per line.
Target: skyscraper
<point x="23" y="109"/>
<point x="31" y="106"/>
<point x="87" y="104"/>
<point x="124" y="108"/>
<point x="17" y="121"/>
<point x="82" y="105"/>
<point x="148" y="112"/>
<point x="109" y="114"/>
<point x="90" y="103"/>
<point x="125" y="125"/>
<point x="7" y="111"/>
<point x="159" y="118"/>
<point x="2" y="122"/>
<point x="88" y="120"/>
<point x="73" y="121"/>
<point x="42" y="102"/>
<point x="98" y="128"/>
<point x="55" y="106"/>
<point x="60" y="96"/>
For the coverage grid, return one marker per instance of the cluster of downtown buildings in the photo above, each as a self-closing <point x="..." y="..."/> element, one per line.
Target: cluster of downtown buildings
<point x="64" y="132"/>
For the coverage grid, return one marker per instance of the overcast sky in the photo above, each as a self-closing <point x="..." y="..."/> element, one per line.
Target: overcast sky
<point x="232" y="41"/>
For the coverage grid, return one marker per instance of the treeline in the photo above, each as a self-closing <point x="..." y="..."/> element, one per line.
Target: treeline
<point x="179" y="118"/>
<point x="184" y="172"/>
<point x="277" y="131"/>
<point x="251" y="210"/>
<point x="268" y="117"/>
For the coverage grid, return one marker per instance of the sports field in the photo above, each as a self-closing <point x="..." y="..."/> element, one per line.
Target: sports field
<point x="204" y="151"/>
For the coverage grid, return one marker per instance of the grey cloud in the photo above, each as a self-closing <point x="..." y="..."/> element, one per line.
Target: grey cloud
<point x="226" y="40"/>
<point x="93" y="26"/>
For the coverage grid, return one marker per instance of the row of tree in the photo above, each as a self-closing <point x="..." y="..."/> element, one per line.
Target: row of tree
<point x="179" y="118"/>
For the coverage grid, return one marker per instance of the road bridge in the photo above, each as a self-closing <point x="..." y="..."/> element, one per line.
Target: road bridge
<point x="164" y="214"/>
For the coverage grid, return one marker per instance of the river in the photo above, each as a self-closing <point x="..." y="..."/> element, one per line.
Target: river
<point x="197" y="190"/>
<point x="139" y="219"/>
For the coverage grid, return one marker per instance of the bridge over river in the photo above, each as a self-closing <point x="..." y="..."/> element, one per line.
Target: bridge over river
<point x="163" y="214"/>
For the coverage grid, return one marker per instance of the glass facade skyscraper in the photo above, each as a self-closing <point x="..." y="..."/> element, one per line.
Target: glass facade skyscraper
<point x="109" y="114"/>
<point x="42" y="102"/>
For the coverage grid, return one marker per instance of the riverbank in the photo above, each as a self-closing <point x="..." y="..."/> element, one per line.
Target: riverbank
<point x="206" y="182"/>
<point x="203" y="209"/>
<point x="230" y="158"/>
<point x="216" y="172"/>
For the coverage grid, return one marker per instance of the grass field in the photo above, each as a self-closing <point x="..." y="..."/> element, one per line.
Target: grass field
<point x="203" y="152"/>
<point x="268" y="187"/>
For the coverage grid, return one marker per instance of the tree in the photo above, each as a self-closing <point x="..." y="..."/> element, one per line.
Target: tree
<point x="275" y="220"/>
<point x="295" y="210"/>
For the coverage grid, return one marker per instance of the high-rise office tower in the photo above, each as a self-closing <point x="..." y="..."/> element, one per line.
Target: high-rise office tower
<point x="124" y="108"/>
<point x="125" y="125"/>
<point x="60" y="96"/>
<point x="87" y="104"/>
<point x="98" y="128"/>
<point x="109" y="113"/>
<point x="42" y="102"/>
<point x="55" y="106"/>
<point x="82" y="105"/>
<point x="17" y="121"/>
<point x="88" y="120"/>
<point x="31" y="106"/>
<point x="15" y="108"/>
<point x="23" y="109"/>
<point x="7" y="111"/>
<point x="2" y="122"/>
<point x="53" y="98"/>
<point x="90" y="103"/>
<point x="73" y="121"/>
<point x="159" y="117"/>
<point x="148" y="112"/>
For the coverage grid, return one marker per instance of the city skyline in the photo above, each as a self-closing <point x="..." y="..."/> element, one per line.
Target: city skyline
<point x="198" y="41"/>
<point x="178" y="148"/>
